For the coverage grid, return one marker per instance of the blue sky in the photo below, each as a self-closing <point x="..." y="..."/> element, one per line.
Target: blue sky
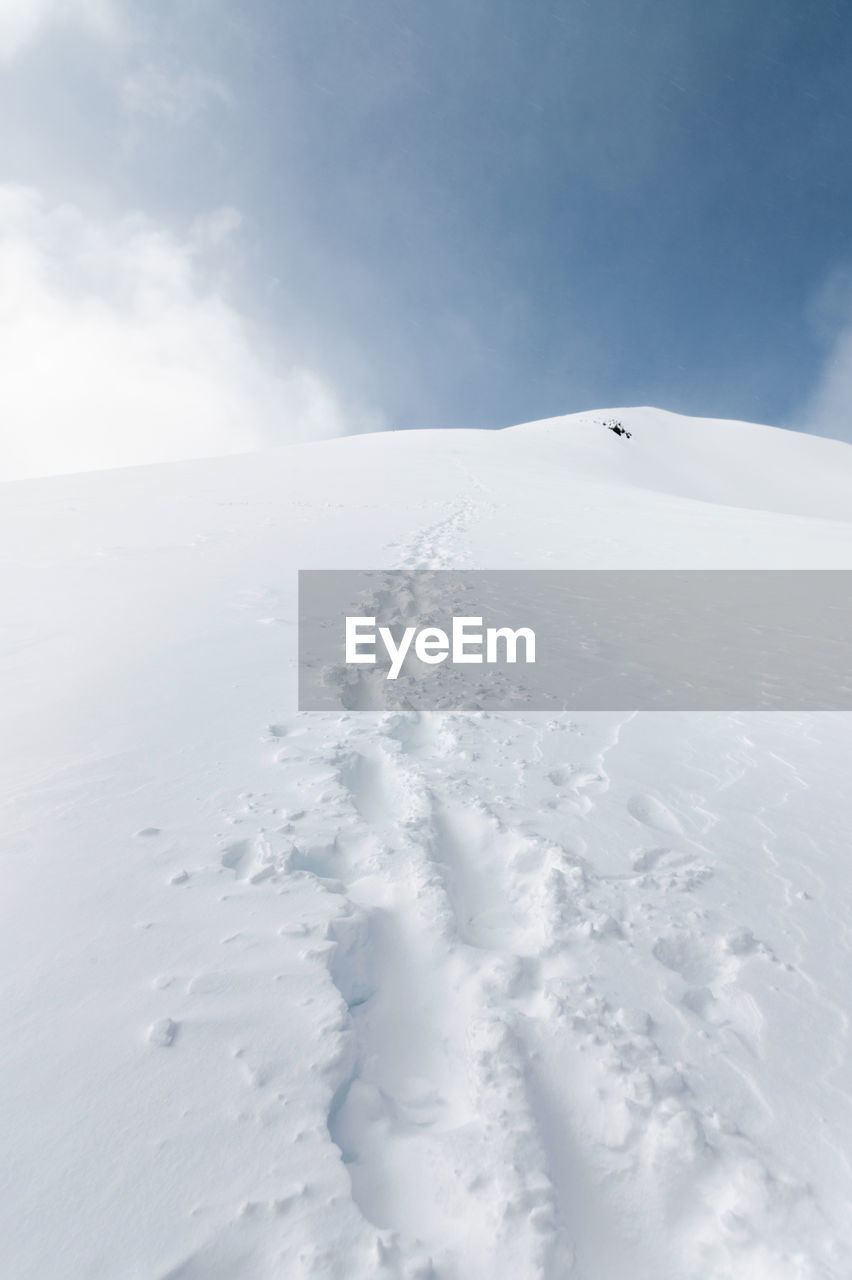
<point x="448" y="214"/>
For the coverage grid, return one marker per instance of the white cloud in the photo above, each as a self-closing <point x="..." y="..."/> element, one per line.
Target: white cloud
<point x="177" y="97"/>
<point x="829" y="407"/>
<point x="22" y="20"/>
<point x="118" y="348"/>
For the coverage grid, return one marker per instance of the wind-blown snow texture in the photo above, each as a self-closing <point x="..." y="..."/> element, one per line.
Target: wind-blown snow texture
<point x="481" y="997"/>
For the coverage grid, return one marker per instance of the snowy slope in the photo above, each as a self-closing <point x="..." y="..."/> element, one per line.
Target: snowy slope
<point x="463" y="996"/>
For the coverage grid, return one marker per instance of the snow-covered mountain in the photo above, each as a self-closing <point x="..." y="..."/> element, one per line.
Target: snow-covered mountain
<point x="470" y="997"/>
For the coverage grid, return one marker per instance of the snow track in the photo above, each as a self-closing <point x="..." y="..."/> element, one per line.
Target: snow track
<point x="503" y="1035"/>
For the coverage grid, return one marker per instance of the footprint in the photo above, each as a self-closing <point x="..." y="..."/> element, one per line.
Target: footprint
<point x="233" y="855"/>
<point x="645" y="859"/>
<point x="686" y="956"/>
<point x="251" y="860"/>
<point x="653" y="813"/>
<point x="163" y="1033"/>
<point x="699" y="1000"/>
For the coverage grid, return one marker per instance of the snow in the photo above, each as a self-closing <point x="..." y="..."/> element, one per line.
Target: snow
<point x="452" y="996"/>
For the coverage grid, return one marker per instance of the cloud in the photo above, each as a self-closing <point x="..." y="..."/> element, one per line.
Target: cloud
<point x="22" y="20"/>
<point x="828" y="410"/>
<point x="177" y="98"/>
<point x="119" y="347"/>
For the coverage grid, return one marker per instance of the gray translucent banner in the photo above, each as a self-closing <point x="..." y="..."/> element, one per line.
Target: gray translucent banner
<point x="697" y="640"/>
